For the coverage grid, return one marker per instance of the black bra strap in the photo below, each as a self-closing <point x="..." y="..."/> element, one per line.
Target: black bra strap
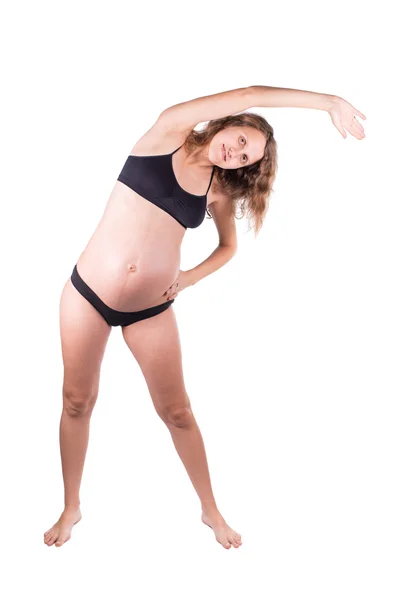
<point x="212" y="175"/>
<point x="176" y="150"/>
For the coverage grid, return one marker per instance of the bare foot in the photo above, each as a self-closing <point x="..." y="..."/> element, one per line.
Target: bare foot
<point x="61" y="531"/>
<point x="224" y="534"/>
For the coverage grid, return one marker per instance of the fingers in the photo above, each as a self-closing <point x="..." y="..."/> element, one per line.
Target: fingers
<point x="357" y="130"/>
<point x="340" y="128"/>
<point x="358" y="113"/>
<point x="168" y="290"/>
<point x="172" y="293"/>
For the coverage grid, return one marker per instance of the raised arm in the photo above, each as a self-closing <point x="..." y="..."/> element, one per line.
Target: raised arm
<point x="342" y="113"/>
<point x="263" y="95"/>
<point x="187" y="115"/>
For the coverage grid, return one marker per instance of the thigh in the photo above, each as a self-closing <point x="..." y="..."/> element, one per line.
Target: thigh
<point x="155" y="344"/>
<point x="84" y="335"/>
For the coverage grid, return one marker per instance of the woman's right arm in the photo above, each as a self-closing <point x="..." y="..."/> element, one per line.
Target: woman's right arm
<point x="178" y="120"/>
<point x="186" y="115"/>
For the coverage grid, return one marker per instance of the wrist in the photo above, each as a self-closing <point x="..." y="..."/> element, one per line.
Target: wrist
<point x="191" y="278"/>
<point x="328" y="101"/>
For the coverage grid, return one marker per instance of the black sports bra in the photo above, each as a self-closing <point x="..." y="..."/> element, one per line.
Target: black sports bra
<point x="153" y="178"/>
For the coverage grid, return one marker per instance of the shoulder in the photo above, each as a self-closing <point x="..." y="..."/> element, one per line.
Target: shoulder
<point x="161" y="138"/>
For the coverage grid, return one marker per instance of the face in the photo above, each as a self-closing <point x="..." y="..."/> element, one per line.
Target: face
<point x="235" y="147"/>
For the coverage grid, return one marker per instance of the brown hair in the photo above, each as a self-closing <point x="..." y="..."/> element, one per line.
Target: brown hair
<point x="250" y="186"/>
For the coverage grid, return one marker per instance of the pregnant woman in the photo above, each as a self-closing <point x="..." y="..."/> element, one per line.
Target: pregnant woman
<point x="129" y="273"/>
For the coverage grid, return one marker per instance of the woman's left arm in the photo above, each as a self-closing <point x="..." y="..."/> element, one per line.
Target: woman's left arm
<point x="217" y="259"/>
<point x="342" y="113"/>
<point x="224" y="220"/>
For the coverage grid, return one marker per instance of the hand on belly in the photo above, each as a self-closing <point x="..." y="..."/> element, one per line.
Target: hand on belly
<point x="133" y="279"/>
<point x="181" y="282"/>
<point x="144" y="287"/>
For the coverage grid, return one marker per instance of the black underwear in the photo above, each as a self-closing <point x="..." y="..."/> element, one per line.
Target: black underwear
<point x="114" y="317"/>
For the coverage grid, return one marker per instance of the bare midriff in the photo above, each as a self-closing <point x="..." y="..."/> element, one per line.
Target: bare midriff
<point x="134" y="254"/>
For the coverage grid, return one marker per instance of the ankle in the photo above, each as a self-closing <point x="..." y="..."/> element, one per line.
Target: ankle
<point x="72" y="505"/>
<point x="210" y="509"/>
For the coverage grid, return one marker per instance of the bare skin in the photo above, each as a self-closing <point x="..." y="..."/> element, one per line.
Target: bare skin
<point x="155" y="345"/>
<point x="61" y="531"/>
<point x="130" y="265"/>
<point x="224" y="534"/>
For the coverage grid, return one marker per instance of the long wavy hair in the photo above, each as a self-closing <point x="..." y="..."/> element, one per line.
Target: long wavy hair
<point x="249" y="187"/>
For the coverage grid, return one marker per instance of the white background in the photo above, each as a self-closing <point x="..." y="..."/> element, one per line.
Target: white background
<point x="291" y="351"/>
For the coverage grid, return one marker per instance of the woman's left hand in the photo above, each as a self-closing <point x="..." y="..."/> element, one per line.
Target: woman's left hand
<point x="343" y="115"/>
<point x="180" y="283"/>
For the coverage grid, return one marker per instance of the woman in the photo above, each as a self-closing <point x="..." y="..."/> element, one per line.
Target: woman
<point x="128" y="274"/>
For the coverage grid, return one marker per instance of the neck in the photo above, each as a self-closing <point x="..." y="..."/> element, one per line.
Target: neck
<point x="199" y="157"/>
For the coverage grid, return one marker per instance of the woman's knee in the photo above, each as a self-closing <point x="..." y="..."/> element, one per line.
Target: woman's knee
<point x="176" y="415"/>
<point x="78" y="403"/>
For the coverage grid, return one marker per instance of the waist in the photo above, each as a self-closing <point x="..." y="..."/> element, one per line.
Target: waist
<point x="128" y="279"/>
<point x="127" y="209"/>
<point x="132" y="229"/>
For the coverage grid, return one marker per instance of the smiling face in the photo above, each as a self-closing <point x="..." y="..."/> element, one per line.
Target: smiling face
<point x="238" y="146"/>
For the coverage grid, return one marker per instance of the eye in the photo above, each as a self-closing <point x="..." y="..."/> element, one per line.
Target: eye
<point x="243" y="140"/>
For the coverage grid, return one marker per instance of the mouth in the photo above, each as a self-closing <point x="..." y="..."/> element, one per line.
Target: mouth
<point x="223" y="152"/>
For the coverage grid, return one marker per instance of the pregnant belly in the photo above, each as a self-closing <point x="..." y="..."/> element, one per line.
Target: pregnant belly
<point x="133" y="256"/>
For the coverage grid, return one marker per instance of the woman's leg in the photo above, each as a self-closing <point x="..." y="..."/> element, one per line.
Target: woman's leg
<point x="84" y="334"/>
<point x="156" y="346"/>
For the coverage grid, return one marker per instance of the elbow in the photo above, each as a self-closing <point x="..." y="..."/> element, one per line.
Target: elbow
<point x="250" y="92"/>
<point x="230" y="248"/>
<point x="168" y="117"/>
<point x="254" y="95"/>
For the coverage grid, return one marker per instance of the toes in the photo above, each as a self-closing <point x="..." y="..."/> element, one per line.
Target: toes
<point x="234" y="541"/>
<point x="51" y="539"/>
<point x="62" y="541"/>
<point x="226" y="545"/>
<point x="51" y="533"/>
